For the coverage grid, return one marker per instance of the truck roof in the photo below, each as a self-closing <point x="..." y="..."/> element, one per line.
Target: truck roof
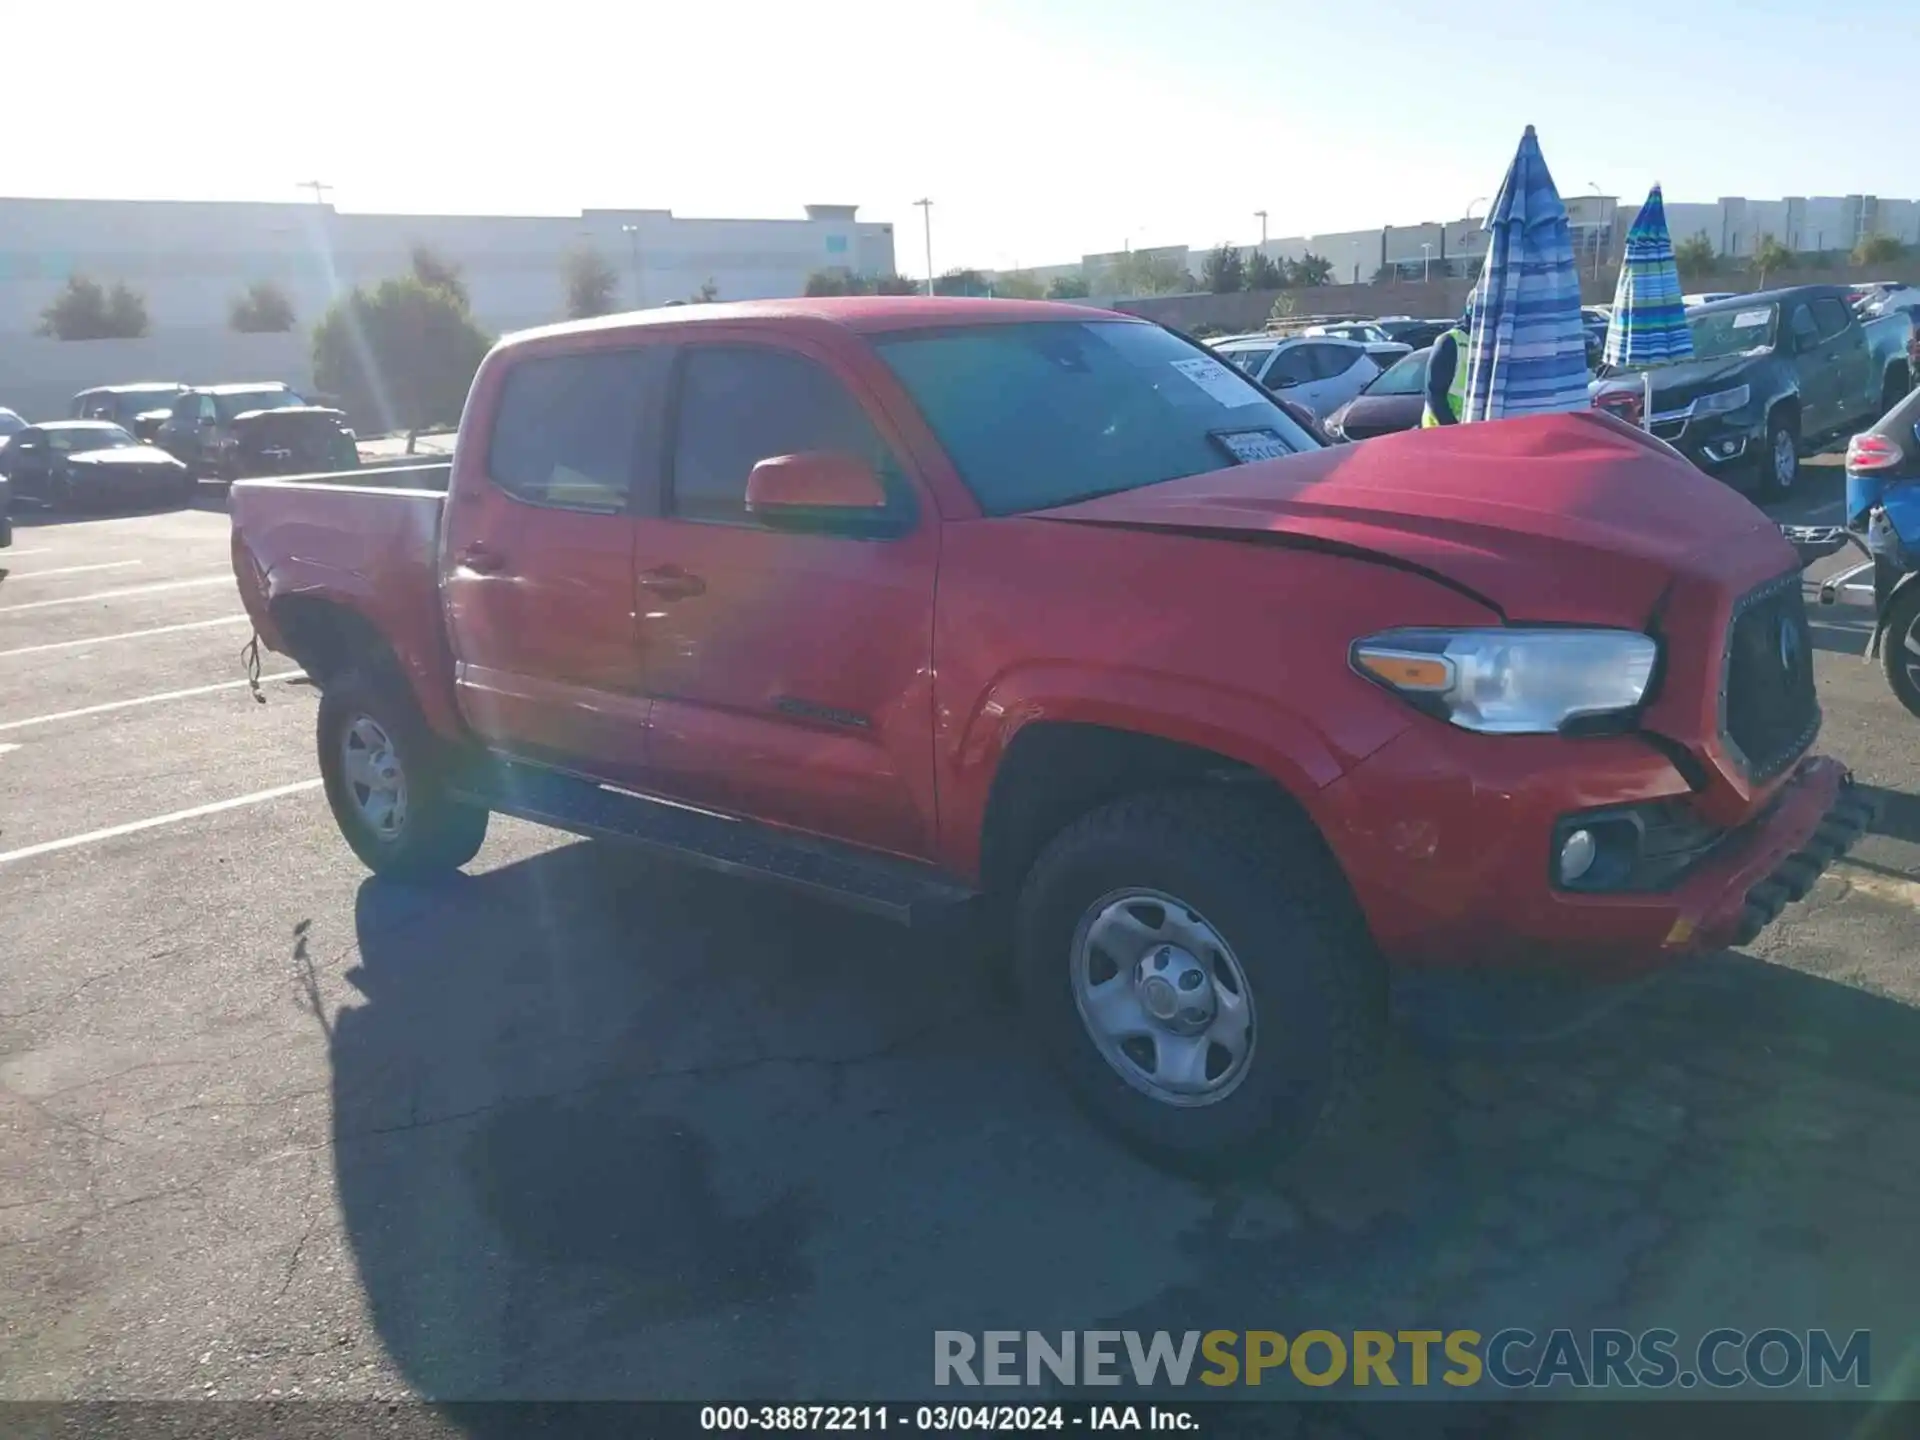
<point x="864" y="314"/>
<point x="1770" y="297"/>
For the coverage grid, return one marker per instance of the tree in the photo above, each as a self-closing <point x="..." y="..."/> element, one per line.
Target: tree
<point x="1769" y="254"/>
<point x="1386" y="275"/>
<point x="1263" y="273"/>
<point x="1018" y="285"/>
<point x="707" y="293"/>
<point x="1224" y="271"/>
<point x="1139" y="272"/>
<point x="1695" y="256"/>
<point x="1067" y="287"/>
<point x="1311" y="269"/>
<point x="833" y="282"/>
<point x="897" y="285"/>
<point x="960" y="281"/>
<point x="1878" y="250"/>
<point x="85" y="310"/>
<point x="436" y="272"/>
<point x="591" y="283"/>
<point x="401" y="355"/>
<point x="261" y="309"/>
<point x="1283" y="307"/>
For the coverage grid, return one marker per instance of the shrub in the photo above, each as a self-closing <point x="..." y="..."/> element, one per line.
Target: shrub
<point x="401" y="355"/>
<point x="261" y="309"/>
<point x="85" y="310"/>
<point x="590" y="281"/>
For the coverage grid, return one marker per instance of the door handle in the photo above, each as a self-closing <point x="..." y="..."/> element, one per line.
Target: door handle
<point x="670" y="582"/>
<point x="479" y="559"/>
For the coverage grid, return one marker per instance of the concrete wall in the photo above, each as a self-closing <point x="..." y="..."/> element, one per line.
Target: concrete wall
<point x="39" y="376"/>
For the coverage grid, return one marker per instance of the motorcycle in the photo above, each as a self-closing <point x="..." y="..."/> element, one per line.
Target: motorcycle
<point x="1882" y="521"/>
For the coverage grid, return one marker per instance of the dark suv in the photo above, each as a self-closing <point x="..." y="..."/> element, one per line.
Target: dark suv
<point x="199" y="432"/>
<point x="139" y="407"/>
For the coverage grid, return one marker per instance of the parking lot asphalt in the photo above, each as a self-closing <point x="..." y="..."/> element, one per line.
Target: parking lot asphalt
<point x="577" y="1125"/>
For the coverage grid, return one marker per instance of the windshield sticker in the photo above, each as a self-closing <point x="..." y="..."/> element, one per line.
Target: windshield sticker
<point x="1248" y="446"/>
<point x="1225" y="387"/>
<point x="1747" y="319"/>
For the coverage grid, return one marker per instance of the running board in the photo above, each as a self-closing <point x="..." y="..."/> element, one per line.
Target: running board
<point x="893" y="889"/>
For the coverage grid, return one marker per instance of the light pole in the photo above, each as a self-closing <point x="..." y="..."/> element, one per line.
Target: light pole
<point x="1261" y="215"/>
<point x="1426" y="262"/>
<point x="632" y="232"/>
<point x="1598" y="239"/>
<point x="1477" y="200"/>
<point x="926" y="217"/>
<point x="320" y="191"/>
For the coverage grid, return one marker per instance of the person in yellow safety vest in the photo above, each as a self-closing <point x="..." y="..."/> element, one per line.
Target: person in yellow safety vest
<point x="1447" y="374"/>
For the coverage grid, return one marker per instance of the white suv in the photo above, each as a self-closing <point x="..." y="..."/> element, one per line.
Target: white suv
<point x="1319" y="372"/>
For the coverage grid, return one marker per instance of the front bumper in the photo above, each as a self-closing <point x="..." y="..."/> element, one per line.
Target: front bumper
<point x="1447" y="839"/>
<point x="1716" y="443"/>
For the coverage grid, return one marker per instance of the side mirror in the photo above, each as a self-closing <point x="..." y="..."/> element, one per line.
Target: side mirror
<point x="820" y="490"/>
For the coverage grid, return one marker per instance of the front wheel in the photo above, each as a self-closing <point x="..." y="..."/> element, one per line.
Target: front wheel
<point x="1900" y="647"/>
<point x="385" y="781"/>
<point x="1780" y="462"/>
<point x="1194" y="968"/>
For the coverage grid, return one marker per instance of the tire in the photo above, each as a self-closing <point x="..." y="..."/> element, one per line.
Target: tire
<point x="1779" y="464"/>
<point x="1310" y="981"/>
<point x="433" y="833"/>
<point x="1899" y="658"/>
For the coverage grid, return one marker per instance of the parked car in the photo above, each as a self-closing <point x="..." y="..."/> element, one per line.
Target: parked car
<point x="199" y="430"/>
<point x="1772" y="374"/>
<point x="1320" y="372"/>
<point x="68" y="463"/>
<point x="1415" y="334"/>
<point x="291" y="440"/>
<point x="139" y="407"/>
<point x="10" y="422"/>
<point x="1218" y="723"/>
<point x="1393" y="400"/>
<point x="1882" y="516"/>
<point x="1384" y="348"/>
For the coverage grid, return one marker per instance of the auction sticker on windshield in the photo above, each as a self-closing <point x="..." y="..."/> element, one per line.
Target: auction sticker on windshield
<point x="1218" y="381"/>
<point x="1247" y="446"/>
<point x="1747" y="319"/>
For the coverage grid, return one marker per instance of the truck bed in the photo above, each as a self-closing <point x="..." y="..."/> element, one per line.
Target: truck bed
<point x="363" y="540"/>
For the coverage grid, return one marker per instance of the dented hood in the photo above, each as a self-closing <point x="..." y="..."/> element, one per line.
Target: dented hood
<point x="1576" y="519"/>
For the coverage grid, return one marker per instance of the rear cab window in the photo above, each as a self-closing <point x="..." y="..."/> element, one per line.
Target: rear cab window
<point x="568" y="429"/>
<point x="1042" y="413"/>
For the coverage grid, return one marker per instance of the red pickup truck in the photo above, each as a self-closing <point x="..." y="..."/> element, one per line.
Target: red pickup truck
<point x="918" y="603"/>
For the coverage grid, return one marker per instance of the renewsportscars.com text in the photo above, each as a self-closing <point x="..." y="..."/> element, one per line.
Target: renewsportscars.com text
<point x="1511" y="1359"/>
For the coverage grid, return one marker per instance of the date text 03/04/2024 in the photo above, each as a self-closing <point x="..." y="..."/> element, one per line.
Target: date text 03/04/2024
<point x="943" y="1419"/>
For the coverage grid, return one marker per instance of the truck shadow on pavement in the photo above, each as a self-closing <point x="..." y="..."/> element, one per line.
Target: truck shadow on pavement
<point x="605" y="1129"/>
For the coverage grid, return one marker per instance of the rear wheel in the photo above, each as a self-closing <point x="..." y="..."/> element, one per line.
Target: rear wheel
<point x="1900" y="648"/>
<point x="386" y="782"/>
<point x="1193" y="967"/>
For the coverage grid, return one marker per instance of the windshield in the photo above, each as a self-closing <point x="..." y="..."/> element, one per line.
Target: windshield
<point x="90" y="437"/>
<point x="1037" y="415"/>
<point x="1406" y="376"/>
<point x="241" y="401"/>
<point x="1728" y="332"/>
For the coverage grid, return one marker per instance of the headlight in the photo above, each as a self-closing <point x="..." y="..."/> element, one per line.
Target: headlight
<point x="1722" y="401"/>
<point x="1512" y="682"/>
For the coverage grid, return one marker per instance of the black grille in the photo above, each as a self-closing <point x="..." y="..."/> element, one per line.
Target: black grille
<point x="1768" y="708"/>
<point x="1668" y="430"/>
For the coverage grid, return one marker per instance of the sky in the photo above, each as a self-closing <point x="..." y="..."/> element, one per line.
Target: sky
<point x="1041" y="129"/>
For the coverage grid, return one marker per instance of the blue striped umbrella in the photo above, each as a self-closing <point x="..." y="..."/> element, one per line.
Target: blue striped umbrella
<point x="1527" y="353"/>
<point x="1649" y="324"/>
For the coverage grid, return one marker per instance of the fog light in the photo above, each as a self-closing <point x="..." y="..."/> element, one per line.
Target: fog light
<point x="1577" y="854"/>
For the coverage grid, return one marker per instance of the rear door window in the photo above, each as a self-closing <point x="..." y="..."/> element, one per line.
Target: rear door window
<point x="1292" y="366"/>
<point x="567" y="429"/>
<point x="1332" y="360"/>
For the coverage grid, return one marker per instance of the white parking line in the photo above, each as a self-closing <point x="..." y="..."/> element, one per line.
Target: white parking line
<point x="117" y="594"/>
<point x="132" y="827"/>
<point x="75" y="569"/>
<point x="123" y="635"/>
<point x="138" y="700"/>
<point x="22" y="554"/>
